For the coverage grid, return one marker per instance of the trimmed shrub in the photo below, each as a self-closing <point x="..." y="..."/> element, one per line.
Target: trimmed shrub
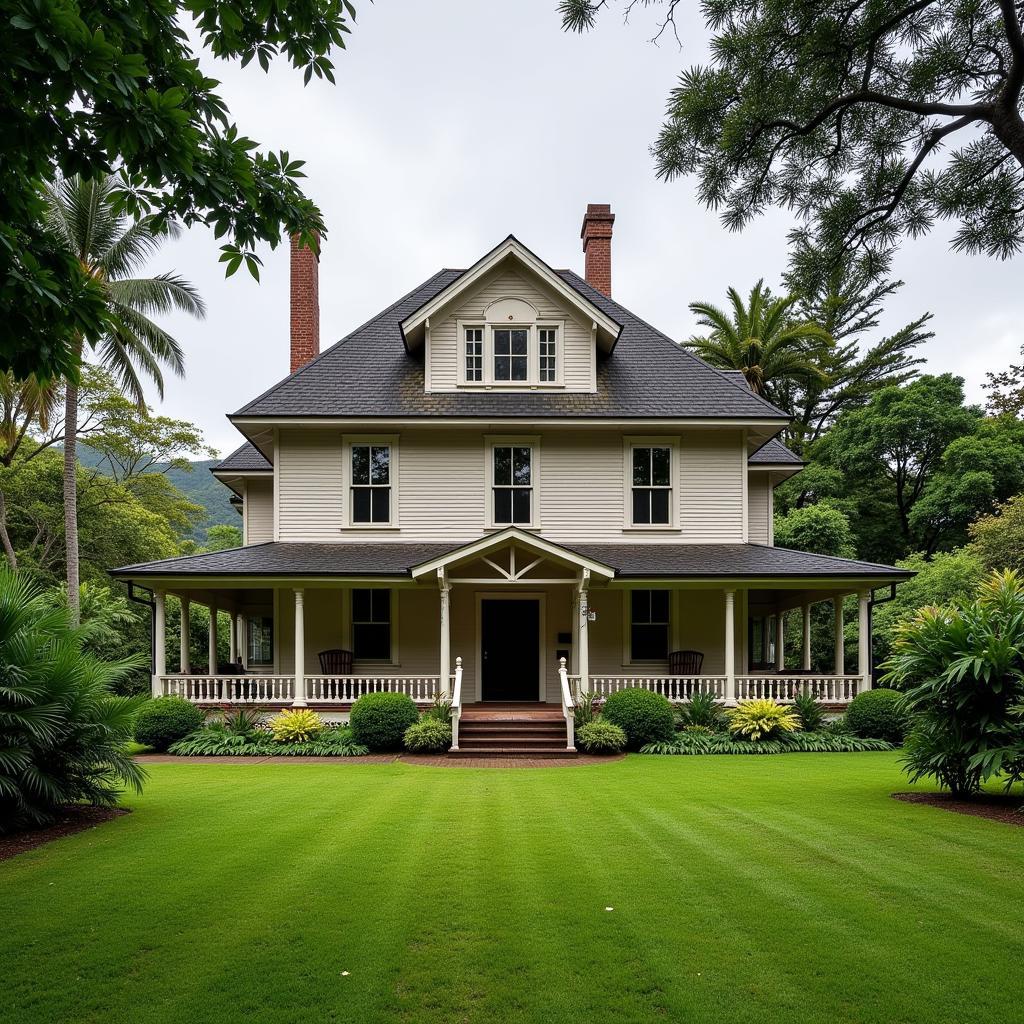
<point x="428" y="736"/>
<point x="878" y="713"/>
<point x="298" y="726"/>
<point x="643" y="716"/>
<point x="379" y="720"/>
<point x="758" y="720"/>
<point x="600" y="737"/>
<point x="166" y="720"/>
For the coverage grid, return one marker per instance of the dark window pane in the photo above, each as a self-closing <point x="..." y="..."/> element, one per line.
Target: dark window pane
<point x="380" y="605"/>
<point x="502" y="342"/>
<point x="371" y="641"/>
<point x="640" y="606"/>
<point x="521" y="505"/>
<point x="660" y="467"/>
<point x="641" y="507"/>
<point x="649" y="643"/>
<point x="641" y="467"/>
<point x="381" y="505"/>
<point x="659" y="605"/>
<point x="380" y="464"/>
<point x="361" y="607"/>
<point x="502" y="505"/>
<point x="659" y="506"/>
<point x="521" y="466"/>
<point x="519" y="368"/>
<point x="503" y="466"/>
<point x="519" y="343"/>
<point x="360" y="504"/>
<point x="360" y="464"/>
<point x="502" y="368"/>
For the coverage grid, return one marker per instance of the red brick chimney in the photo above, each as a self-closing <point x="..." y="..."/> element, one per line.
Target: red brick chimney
<point x="597" y="244"/>
<point x="305" y="303"/>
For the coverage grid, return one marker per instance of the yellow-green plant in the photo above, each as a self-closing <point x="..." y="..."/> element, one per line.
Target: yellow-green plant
<point x="762" y="719"/>
<point x="299" y="726"/>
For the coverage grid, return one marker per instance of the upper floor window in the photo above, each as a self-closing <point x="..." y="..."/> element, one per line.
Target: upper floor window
<point x="547" y="354"/>
<point x="371" y="483"/>
<point x="651" y="487"/>
<point x="512" y="480"/>
<point x="511" y="354"/>
<point x="474" y="341"/>
<point x="371" y="624"/>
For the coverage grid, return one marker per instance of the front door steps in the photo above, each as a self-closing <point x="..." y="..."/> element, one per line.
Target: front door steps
<point x="511" y="729"/>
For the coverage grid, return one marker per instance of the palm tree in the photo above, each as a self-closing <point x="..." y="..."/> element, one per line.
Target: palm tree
<point x="762" y="339"/>
<point x="112" y="249"/>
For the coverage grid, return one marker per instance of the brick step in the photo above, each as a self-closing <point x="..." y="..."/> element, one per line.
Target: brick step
<point x="537" y="752"/>
<point x="512" y="716"/>
<point x="531" y="742"/>
<point x="504" y="732"/>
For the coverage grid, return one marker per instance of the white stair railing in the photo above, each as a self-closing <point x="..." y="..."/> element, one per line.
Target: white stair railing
<point x="456" y="708"/>
<point x="568" y="706"/>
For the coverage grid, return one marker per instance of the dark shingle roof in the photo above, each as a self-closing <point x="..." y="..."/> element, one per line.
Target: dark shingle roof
<point x="775" y="453"/>
<point x="247" y="459"/>
<point x="369" y="373"/>
<point x="737" y="561"/>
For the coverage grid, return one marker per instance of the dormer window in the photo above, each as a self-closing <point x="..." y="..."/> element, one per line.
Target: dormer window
<point x="474" y="340"/>
<point x="511" y="353"/>
<point x="547" y="354"/>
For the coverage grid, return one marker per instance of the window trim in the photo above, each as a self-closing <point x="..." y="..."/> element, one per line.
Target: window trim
<point x="355" y="440"/>
<point x="269" y="617"/>
<point x="532" y="328"/>
<point x="349" y="610"/>
<point x="627" y="627"/>
<point x="492" y="441"/>
<point x="645" y="441"/>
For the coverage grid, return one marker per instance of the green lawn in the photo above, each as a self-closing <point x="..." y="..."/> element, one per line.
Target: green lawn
<point x="777" y="889"/>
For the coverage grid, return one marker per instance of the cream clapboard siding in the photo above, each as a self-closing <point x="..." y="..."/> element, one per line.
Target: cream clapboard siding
<point x="759" y="505"/>
<point x="578" y="354"/>
<point x="258" y="511"/>
<point x="442" y="487"/>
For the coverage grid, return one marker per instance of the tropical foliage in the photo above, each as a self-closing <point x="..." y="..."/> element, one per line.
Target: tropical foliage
<point x="299" y="725"/>
<point x="783" y="743"/>
<point x="761" y="720"/>
<point x="226" y="738"/>
<point x="62" y="730"/>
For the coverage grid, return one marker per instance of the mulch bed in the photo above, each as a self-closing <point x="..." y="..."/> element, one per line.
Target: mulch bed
<point x="1004" y="807"/>
<point x="74" y="818"/>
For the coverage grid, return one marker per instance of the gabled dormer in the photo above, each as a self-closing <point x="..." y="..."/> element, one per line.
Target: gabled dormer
<point x="510" y="323"/>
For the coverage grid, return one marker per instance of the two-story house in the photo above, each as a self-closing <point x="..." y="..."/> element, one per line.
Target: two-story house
<point x="504" y="469"/>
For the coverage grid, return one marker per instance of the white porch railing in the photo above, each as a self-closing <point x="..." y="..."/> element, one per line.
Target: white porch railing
<point x="831" y="689"/>
<point x="568" y="706"/>
<point x="456" y="707"/>
<point x="675" y="688"/>
<point x="280" y="689"/>
<point x="346" y="689"/>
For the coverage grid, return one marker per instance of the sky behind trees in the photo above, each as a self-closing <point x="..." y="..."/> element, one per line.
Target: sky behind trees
<point x="455" y="123"/>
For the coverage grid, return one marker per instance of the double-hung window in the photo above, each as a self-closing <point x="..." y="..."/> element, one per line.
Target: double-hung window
<point x="474" y="354"/>
<point x="547" y="346"/>
<point x="512" y="484"/>
<point x="371" y="483"/>
<point x="651" y="486"/>
<point x="511" y="353"/>
<point x="260" y="631"/>
<point x="648" y="625"/>
<point x="371" y="624"/>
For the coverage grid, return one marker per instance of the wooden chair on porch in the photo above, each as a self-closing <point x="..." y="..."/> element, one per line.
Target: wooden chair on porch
<point x="685" y="663"/>
<point x="336" y="662"/>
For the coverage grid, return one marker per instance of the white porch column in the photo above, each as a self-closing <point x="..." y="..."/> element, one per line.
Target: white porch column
<point x="780" y="641"/>
<point x="159" y="642"/>
<point x="299" y="696"/>
<point x="446" y="634"/>
<point x="574" y="654"/>
<point x="583" y="631"/>
<point x="243" y="645"/>
<point x="233" y="641"/>
<point x="186" y="620"/>
<point x="837" y="626"/>
<point x="806" y="663"/>
<point x="730" y="646"/>
<point x="212" y="637"/>
<point x="864" y="641"/>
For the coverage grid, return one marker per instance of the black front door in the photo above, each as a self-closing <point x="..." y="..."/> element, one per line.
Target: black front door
<point x="510" y="650"/>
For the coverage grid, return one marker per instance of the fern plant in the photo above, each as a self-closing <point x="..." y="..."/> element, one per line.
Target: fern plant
<point x="758" y="720"/>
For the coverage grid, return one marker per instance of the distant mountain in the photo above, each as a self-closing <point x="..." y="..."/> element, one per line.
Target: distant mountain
<point x="198" y="485"/>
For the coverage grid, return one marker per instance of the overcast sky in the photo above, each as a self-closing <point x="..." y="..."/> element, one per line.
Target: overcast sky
<point x="457" y="122"/>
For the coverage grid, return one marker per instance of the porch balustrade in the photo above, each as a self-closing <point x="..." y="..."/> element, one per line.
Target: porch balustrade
<point x="280" y="689"/>
<point x="830" y="689"/>
<point x="675" y="688"/>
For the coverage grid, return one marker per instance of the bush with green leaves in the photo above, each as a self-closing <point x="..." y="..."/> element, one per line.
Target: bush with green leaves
<point x="428" y="736"/>
<point x="759" y="720"/>
<point x="440" y="709"/>
<point x="379" y="720"/>
<point x="688" y="742"/>
<point x="218" y="739"/>
<point x="810" y="711"/>
<point x="587" y="708"/>
<point x="296" y="725"/>
<point x="878" y="713"/>
<point x="166" y="720"/>
<point x="63" y="733"/>
<point x="961" y="673"/>
<point x="702" y="710"/>
<point x="600" y="737"/>
<point x="644" y="717"/>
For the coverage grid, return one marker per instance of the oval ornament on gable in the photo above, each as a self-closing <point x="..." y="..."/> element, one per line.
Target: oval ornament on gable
<point x="517" y="311"/>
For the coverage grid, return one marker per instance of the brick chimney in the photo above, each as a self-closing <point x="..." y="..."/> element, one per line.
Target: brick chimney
<point x="597" y="244"/>
<point x="305" y="303"/>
